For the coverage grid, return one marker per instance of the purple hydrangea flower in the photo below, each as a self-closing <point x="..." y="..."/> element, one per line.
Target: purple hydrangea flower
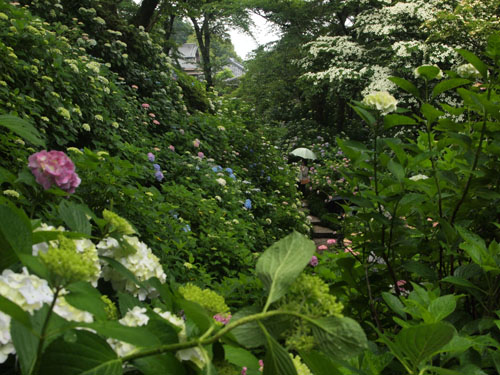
<point x="159" y="175"/>
<point x="54" y="168"/>
<point x="151" y="157"/>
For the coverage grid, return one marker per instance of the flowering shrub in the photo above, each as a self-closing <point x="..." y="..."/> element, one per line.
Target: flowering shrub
<point x="54" y="168"/>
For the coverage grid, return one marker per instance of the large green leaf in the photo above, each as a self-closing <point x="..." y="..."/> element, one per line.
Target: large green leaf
<point x="22" y="128"/>
<point x="74" y="217"/>
<point x="476" y="248"/>
<point x="15" y="312"/>
<point x="88" y="355"/>
<point x="196" y="313"/>
<point x="26" y="344"/>
<point x="341" y="338"/>
<point x="165" y="364"/>
<point x="364" y="114"/>
<point x="15" y="235"/>
<point x="420" y="343"/>
<point x="282" y="263"/>
<point x="277" y="360"/>
<point x="430" y="113"/>
<point x="443" y="306"/>
<point x="396" y="169"/>
<point x="448" y="84"/>
<point x="85" y="297"/>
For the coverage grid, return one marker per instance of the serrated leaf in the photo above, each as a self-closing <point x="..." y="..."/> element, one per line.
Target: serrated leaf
<point x="15" y="235"/>
<point x="22" y="128"/>
<point x="420" y="343"/>
<point x="338" y="337"/>
<point x="475" y="61"/>
<point x="88" y="355"/>
<point x="406" y="86"/>
<point x="394" y="303"/>
<point x="460" y="282"/>
<point x="282" y="263"/>
<point x="74" y="217"/>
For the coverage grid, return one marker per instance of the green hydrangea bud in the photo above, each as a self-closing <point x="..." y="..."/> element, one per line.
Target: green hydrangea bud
<point x="118" y="224"/>
<point x="111" y="310"/>
<point x="66" y="264"/>
<point x="207" y="298"/>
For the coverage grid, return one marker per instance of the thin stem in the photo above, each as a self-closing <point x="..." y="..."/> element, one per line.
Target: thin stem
<point x="210" y="340"/>
<point x="372" y="303"/>
<point x="39" y="350"/>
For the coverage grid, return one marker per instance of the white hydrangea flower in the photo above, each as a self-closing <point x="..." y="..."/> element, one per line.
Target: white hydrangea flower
<point x="71" y="313"/>
<point x="88" y="250"/>
<point x="6" y="346"/>
<point x="133" y="318"/>
<point x="192" y="354"/>
<point x="27" y="291"/>
<point x="44" y="246"/>
<point x="382" y="100"/>
<point x="468" y="71"/>
<point x="419" y="177"/>
<point x="221" y="181"/>
<point x="143" y="264"/>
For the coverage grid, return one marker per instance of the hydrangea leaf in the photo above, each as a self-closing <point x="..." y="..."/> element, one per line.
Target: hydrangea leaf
<point x="165" y="364"/>
<point x="282" y="263"/>
<point x="15" y="235"/>
<point x="277" y="360"/>
<point x="340" y="338"/>
<point x="474" y="60"/>
<point x="449" y="84"/>
<point x="85" y="297"/>
<point x="15" y="312"/>
<point x="22" y="128"/>
<point x="74" y="217"/>
<point x="88" y="355"/>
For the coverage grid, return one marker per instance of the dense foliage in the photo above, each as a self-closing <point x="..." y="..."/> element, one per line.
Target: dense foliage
<point x="150" y="227"/>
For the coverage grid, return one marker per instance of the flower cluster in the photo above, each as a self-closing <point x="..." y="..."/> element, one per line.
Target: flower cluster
<point x="158" y="173"/>
<point x="204" y="297"/>
<point x="27" y="291"/>
<point x="133" y="318"/>
<point x="382" y="101"/>
<point x="143" y="264"/>
<point x="54" y="168"/>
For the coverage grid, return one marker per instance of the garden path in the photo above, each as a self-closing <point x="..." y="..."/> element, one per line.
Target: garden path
<point x="320" y="234"/>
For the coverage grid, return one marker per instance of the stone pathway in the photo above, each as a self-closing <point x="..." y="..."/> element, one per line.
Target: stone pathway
<point x="320" y="234"/>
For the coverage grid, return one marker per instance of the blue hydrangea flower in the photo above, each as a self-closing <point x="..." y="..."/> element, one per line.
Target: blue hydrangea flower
<point x="217" y="168"/>
<point x="159" y="175"/>
<point x="229" y="170"/>
<point x="248" y="204"/>
<point x="232" y="176"/>
<point x="187" y="228"/>
<point x="156" y="167"/>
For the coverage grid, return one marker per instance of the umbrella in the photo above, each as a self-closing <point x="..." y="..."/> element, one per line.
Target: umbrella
<point x="303" y="153"/>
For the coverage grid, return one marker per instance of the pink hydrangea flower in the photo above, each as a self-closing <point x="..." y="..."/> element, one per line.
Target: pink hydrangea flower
<point x="244" y="371"/>
<point x="314" y="261"/>
<point x="196" y="143"/>
<point x="152" y="115"/>
<point x="261" y="364"/>
<point x="223" y="318"/>
<point x="145" y="105"/>
<point x="156" y="122"/>
<point x="54" y="168"/>
<point x="201" y="155"/>
<point x="331" y="241"/>
<point x="135" y="87"/>
<point x="322" y="247"/>
<point x="171" y="147"/>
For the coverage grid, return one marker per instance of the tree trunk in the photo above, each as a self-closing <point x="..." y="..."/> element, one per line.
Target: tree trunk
<point x="144" y="15"/>
<point x="169" y="28"/>
<point x="203" y="37"/>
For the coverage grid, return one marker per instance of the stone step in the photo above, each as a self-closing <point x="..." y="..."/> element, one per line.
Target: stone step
<point x="313" y="220"/>
<point x="322" y="232"/>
